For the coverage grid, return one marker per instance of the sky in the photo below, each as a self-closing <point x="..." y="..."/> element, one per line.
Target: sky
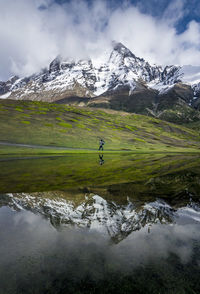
<point x="34" y="32"/>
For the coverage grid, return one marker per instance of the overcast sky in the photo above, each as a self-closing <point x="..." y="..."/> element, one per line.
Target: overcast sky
<point x="33" y="32"/>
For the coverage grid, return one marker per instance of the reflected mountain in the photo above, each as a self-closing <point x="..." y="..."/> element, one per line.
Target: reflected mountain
<point x="108" y="217"/>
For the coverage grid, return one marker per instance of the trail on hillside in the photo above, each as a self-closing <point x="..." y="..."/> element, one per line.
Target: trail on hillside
<point x="42" y="147"/>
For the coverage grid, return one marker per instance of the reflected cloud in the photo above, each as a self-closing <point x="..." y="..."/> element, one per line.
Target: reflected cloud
<point x="34" y="251"/>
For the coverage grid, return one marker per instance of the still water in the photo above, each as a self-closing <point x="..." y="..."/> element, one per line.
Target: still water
<point x="100" y="224"/>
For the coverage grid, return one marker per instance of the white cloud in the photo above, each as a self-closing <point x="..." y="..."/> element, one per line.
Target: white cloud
<point x="31" y="37"/>
<point x="174" y="12"/>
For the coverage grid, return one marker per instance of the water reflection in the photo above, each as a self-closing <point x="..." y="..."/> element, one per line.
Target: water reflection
<point x="133" y="172"/>
<point x="131" y="226"/>
<point x="101" y="160"/>
<point x="108" y="217"/>
<point x="36" y="256"/>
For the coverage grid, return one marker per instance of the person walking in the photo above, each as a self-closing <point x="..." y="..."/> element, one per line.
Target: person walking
<point x="101" y="143"/>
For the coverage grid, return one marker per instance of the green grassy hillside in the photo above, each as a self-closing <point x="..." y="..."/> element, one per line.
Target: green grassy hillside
<point x="41" y="123"/>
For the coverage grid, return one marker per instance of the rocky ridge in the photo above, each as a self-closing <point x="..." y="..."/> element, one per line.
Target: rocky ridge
<point x="117" y="79"/>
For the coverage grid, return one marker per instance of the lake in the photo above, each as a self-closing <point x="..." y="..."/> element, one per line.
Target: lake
<point x="100" y="223"/>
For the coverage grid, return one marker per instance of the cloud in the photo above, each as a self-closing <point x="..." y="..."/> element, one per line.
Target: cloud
<point x="156" y="39"/>
<point x="34" y="32"/>
<point x="34" y="252"/>
<point x="175" y="11"/>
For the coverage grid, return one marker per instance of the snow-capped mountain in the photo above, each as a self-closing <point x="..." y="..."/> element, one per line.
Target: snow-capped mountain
<point x="95" y="81"/>
<point x="96" y="213"/>
<point x="118" y="68"/>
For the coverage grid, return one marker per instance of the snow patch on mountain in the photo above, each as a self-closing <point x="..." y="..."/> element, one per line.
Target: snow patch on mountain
<point x="160" y="87"/>
<point x="5" y="96"/>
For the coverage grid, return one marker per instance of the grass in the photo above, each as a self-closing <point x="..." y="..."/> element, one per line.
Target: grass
<point x="47" y="124"/>
<point x="18" y="151"/>
<point x="21" y="152"/>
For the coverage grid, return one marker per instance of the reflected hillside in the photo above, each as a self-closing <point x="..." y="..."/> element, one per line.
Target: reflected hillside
<point x="127" y="174"/>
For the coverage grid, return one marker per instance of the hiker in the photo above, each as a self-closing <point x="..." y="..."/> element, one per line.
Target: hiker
<point x="101" y="143"/>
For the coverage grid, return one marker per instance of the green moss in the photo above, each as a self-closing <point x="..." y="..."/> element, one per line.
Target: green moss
<point x="26" y="115"/>
<point x="19" y="109"/>
<point x="82" y="126"/>
<point x="48" y="125"/>
<point x="64" y="124"/>
<point x="25" y="122"/>
<point x="43" y="109"/>
<point x="62" y="131"/>
<point x="140" y="140"/>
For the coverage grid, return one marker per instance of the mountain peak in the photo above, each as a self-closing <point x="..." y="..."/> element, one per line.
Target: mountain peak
<point x="55" y="64"/>
<point x="121" y="49"/>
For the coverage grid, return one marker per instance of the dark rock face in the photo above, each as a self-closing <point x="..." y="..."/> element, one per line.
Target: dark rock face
<point x="179" y="93"/>
<point x="169" y="75"/>
<point x="54" y="65"/>
<point x="5" y="86"/>
<point x="137" y="102"/>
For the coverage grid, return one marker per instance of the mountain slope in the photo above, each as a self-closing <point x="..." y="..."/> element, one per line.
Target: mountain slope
<point x="49" y="124"/>
<point x="117" y="79"/>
